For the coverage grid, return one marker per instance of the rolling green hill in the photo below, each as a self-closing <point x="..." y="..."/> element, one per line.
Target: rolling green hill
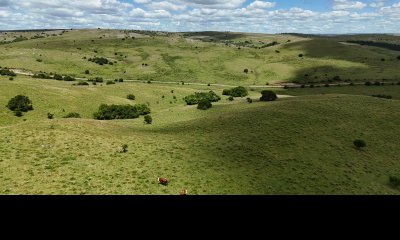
<point x="300" y="144"/>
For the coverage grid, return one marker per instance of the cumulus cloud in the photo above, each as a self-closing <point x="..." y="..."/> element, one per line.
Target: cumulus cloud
<point x="261" y="4"/>
<point x="377" y="3"/>
<point x="196" y="15"/>
<point x="346" y="4"/>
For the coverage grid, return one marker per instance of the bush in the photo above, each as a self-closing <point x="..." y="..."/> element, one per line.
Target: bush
<point x="377" y="83"/>
<point x="300" y="55"/>
<point x="42" y="76"/>
<point x="18" y="113"/>
<point x="7" y="72"/>
<point x="246" y="71"/>
<point x="99" y="60"/>
<point x="11" y="79"/>
<point x="148" y="119"/>
<point x="227" y="92"/>
<point x="82" y="83"/>
<point x="50" y="115"/>
<point x="197" y="97"/>
<point x="20" y="103"/>
<point x="231" y="98"/>
<point x="124" y="148"/>
<point x="368" y="83"/>
<point x="398" y="57"/>
<point x="249" y="100"/>
<point x="109" y="82"/>
<point x="96" y="79"/>
<point x="268" y="95"/>
<point x="110" y="112"/>
<point x="327" y="85"/>
<point x="204" y="104"/>
<point x="58" y="77"/>
<point x="121" y="80"/>
<point x="382" y="96"/>
<point x="87" y="72"/>
<point x="359" y="143"/>
<point x="394" y="181"/>
<point x="72" y="115"/>
<point x="131" y="97"/>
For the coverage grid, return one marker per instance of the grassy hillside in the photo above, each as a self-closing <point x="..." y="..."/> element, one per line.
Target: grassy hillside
<point x="300" y="145"/>
<point x="209" y="57"/>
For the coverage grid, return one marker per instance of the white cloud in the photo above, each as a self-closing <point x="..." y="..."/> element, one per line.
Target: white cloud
<point x="261" y="5"/>
<point x="346" y="4"/>
<point x="377" y="4"/>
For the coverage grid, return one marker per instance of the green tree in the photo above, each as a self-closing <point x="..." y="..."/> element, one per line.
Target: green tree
<point x="20" y="103"/>
<point x="358" y="143"/>
<point x="268" y="95"/>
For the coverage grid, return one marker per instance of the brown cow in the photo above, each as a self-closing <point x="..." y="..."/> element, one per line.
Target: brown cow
<point x="162" y="181"/>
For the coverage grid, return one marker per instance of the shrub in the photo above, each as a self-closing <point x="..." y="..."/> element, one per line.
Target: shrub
<point x="87" y="72"/>
<point x="249" y="100"/>
<point x="336" y="78"/>
<point x="377" y="83"/>
<point x="7" y="72"/>
<point x="50" y="115"/>
<point x="131" y="97"/>
<point x="394" y="181"/>
<point x="227" y="92"/>
<point x="121" y="80"/>
<point x="99" y="60"/>
<point x="96" y="79"/>
<point x="398" y="57"/>
<point x="231" y="98"/>
<point x="110" y="112"/>
<point x="42" y="76"/>
<point x="18" y="113"/>
<point x="69" y="78"/>
<point x="268" y="95"/>
<point x="72" y="115"/>
<point x="58" y="77"/>
<point x="368" y="83"/>
<point x="327" y="85"/>
<point x="124" y="148"/>
<point x="148" y="119"/>
<point x="246" y="71"/>
<point x="197" y="97"/>
<point x="300" y="55"/>
<point x="382" y="96"/>
<point x="82" y="83"/>
<point x="20" y="103"/>
<point x="11" y="79"/>
<point x="359" y="143"/>
<point x="109" y="82"/>
<point x="204" y="104"/>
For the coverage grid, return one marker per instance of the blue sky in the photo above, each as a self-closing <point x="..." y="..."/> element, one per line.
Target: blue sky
<point x="304" y="16"/>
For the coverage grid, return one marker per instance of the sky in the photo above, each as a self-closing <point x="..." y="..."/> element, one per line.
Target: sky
<point x="289" y="16"/>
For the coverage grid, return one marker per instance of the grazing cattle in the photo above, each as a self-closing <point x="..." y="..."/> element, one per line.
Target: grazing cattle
<point x="162" y="181"/>
<point x="183" y="192"/>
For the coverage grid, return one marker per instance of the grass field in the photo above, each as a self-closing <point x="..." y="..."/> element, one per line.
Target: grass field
<point x="194" y="58"/>
<point x="299" y="144"/>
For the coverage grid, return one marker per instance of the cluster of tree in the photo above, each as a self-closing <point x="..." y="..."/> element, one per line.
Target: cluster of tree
<point x="385" y="45"/>
<point x="7" y="72"/>
<point x="204" y="104"/>
<point x="197" y="97"/>
<point x="56" y="77"/>
<point x="270" y="44"/>
<point x="131" y="97"/>
<point x="100" y="60"/>
<point x="268" y="95"/>
<point x="236" y="92"/>
<point x="82" y="83"/>
<point x="72" y="115"/>
<point x="110" y="112"/>
<point x="382" y="96"/>
<point x="375" y="83"/>
<point x="96" y="79"/>
<point x="20" y="104"/>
